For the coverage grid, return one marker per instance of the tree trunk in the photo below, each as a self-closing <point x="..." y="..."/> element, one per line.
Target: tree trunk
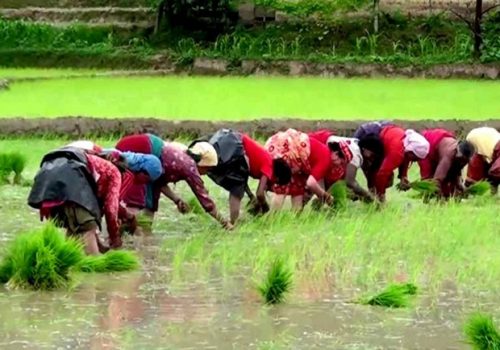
<point x="160" y="12"/>
<point x="478" y="37"/>
<point x="376" y="6"/>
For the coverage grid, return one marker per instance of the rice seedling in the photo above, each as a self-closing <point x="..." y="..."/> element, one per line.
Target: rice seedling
<point x="479" y="188"/>
<point x="41" y="260"/>
<point x="277" y="283"/>
<point x="427" y="187"/>
<point x="195" y="206"/>
<point x="112" y="261"/>
<point x="339" y="193"/>
<point x="13" y="162"/>
<point x="18" y="163"/>
<point x="481" y="332"/>
<point x="4" y="169"/>
<point x="394" y="296"/>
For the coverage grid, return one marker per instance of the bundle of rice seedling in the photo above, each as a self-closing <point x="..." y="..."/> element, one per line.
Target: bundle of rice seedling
<point x="428" y="187"/>
<point x="481" y="332"/>
<point x="479" y="188"/>
<point x="277" y="283"/>
<point x="5" y="168"/>
<point x="18" y="163"/>
<point x="112" y="261"/>
<point x="41" y="259"/>
<point x="339" y="193"/>
<point x="394" y="296"/>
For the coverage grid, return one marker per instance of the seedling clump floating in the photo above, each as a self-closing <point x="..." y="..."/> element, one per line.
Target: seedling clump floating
<point x="112" y="261"/>
<point x="481" y="332"/>
<point x="277" y="283"/>
<point x="394" y="296"/>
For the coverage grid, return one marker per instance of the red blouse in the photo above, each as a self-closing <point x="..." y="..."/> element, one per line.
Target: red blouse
<point x="319" y="159"/>
<point x="394" y="157"/>
<point x="259" y="160"/>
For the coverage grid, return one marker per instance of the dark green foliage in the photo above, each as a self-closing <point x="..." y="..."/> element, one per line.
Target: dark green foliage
<point x="479" y="188"/>
<point x="339" y="193"/>
<point x="491" y="35"/>
<point x="277" y="283"/>
<point x="112" y="261"/>
<point x="41" y="260"/>
<point x="394" y="296"/>
<point x="481" y="332"/>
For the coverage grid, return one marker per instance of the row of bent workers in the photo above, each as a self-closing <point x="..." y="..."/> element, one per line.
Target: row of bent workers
<point x="80" y="183"/>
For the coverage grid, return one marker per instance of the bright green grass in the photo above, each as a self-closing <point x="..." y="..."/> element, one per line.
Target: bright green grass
<point x="231" y="98"/>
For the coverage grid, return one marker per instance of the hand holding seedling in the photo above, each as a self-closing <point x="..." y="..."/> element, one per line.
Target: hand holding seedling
<point x="182" y="207"/>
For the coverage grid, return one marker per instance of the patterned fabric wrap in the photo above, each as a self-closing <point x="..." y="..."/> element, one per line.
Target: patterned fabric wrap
<point x="294" y="148"/>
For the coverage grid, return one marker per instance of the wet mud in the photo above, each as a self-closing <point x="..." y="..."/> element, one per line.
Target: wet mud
<point x="85" y="127"/>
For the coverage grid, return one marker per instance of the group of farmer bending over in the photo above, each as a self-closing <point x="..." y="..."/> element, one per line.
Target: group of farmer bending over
<point x="81" y="182"/>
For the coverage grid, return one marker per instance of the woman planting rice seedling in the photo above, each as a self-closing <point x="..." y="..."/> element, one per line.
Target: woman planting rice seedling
<point x="76" y="189"/>
<point x="445" y="161"/>
<point x="140" y="197"/>
<point x="179" y="165"/>
<point x="310" y="162"/>
<point x="239" y="157"/>
<point x="87" y="146"/>
<point x="349" y="154"/>
<point x="485" y="164"/>
<point x="387" y="151"/>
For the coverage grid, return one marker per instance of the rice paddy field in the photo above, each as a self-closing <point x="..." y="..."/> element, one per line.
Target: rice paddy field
<point x="246" y="98"/>
<point x="198" y="286"/>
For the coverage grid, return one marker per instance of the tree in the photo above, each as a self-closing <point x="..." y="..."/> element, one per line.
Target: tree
<point x="206" y="15"/>
<point x="475" y="24"/>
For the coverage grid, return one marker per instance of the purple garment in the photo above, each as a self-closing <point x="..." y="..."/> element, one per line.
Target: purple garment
<point x="177" y="166"/>
<point x="371" y="128"/>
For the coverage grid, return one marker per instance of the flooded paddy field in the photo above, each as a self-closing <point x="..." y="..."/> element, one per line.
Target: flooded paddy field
<point x="49" y="94"/>
<point x="196" y="287"/>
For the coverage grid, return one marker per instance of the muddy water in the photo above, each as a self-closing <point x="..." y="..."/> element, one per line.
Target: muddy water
<point x="143" y="310"/>
<point x="151" y="309"/>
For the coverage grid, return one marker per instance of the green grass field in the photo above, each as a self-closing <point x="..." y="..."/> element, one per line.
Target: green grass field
<point x="230" y="98"/>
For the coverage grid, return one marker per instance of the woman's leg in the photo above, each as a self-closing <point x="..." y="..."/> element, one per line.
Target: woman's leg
<point x="297" y="202"/>
<point x="277" y="201"/>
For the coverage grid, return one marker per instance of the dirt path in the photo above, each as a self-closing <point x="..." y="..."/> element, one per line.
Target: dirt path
<point x="81" y="127"/>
